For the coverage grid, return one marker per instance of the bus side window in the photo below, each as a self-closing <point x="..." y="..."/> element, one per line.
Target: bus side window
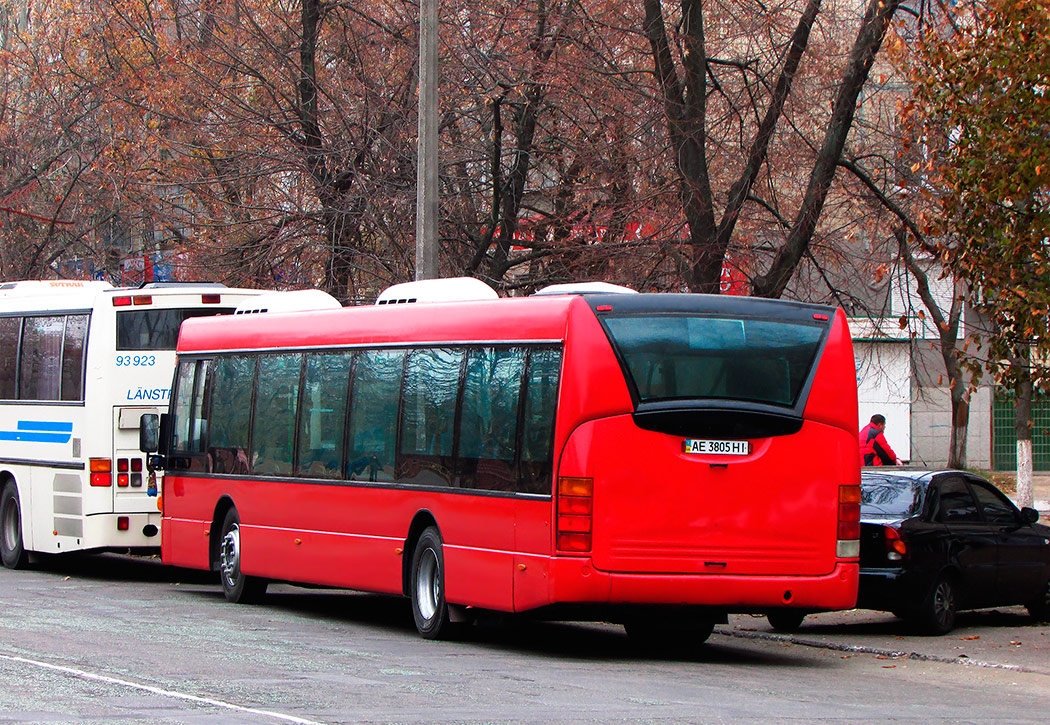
<point x="231" y="406"/>
<point x="537" y="437"/>
<point x="431" y="387"/>
<point x="324" y="412"/>
<point x="190" y="409"/>
<point x="488" y="419"/>
<point x="182" y="407"/>
<point x="74" y="342"/>
<point x="10" y="329"/>
<point x="374" y="394"/>
<point x="41" y="357"/>
<point x="276" y="400"/>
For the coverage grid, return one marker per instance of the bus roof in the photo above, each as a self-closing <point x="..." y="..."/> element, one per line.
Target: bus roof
<point x="508" y="319"/>
<point x="67" y="294"/>
<point x="542" y="318"/>
<point x="288" y="301"/>
<point x="446" y="289"/>
<point x="42" y="287"/>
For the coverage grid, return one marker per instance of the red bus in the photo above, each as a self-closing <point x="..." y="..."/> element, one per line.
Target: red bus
<point x="649" y="459"/>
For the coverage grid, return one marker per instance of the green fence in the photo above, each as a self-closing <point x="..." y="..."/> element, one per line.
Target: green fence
<point x="1004" y="442"/>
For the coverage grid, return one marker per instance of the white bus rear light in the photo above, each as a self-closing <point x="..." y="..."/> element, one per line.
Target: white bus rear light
<point x="142" y="300"/>
<point x="122" y="523"/>
<point x="211" y="299"/>
<point x="847" y="548"/>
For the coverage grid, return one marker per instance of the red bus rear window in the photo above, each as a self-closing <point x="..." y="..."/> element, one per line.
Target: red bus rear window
<point x="679" y="356"/>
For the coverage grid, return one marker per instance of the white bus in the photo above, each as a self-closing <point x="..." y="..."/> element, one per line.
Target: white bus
<point x="80" y="362"/>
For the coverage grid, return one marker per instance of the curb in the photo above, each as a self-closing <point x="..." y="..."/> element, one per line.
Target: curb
<point x="877" y="651"/>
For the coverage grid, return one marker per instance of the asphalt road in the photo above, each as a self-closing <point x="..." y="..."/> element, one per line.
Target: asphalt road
<point x="116" y="639"/>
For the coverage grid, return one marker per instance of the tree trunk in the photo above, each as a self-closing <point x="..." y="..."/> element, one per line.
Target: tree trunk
<point x="960" y="427"/>
<point x="876" y="23"/>
<point x="1023" y="427"/>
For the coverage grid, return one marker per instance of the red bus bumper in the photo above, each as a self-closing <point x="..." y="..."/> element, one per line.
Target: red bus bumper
<point x="575" y="580"/>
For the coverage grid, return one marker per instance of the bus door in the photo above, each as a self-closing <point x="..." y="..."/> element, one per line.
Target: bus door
<point x="533" y="504"/>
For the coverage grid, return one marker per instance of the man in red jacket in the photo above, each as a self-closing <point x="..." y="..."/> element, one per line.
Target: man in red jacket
<point x="874" y="450"/>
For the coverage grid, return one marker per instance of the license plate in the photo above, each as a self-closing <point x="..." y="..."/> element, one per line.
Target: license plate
<point x="716" y="447"/>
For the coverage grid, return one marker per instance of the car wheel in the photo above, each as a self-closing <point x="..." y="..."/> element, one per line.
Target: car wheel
<point x="786" y="620"/>
<point x="12" y="551"/>
<point x="1040" y="608"/>
<point x="669" y="635"/>
<point x="937" y="613"/>
<point x="237" y="586"/>
<point x="427" y="587"/>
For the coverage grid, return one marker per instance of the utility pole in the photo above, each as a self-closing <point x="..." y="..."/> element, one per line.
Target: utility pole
<point x="427" y="144"/>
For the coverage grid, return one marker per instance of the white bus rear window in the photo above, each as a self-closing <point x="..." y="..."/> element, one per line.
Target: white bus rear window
<point x="156" y="329"/>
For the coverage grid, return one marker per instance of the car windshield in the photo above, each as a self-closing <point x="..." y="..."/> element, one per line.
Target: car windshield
<point x="890" y="496"/>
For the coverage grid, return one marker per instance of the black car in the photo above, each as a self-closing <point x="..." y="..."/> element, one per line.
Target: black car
<point x="934" y="543"/>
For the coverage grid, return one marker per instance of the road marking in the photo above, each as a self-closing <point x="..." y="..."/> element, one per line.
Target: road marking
<point x="157" y="690"/>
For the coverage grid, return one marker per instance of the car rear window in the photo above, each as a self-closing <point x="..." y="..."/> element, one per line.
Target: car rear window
<point x="890" y="496"/>
<point x="680" y="356"/>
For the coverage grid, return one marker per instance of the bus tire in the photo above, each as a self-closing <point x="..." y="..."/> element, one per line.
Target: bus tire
<point x="427" y="586"/>
<point x="12" y="550"/>
<point x="237" y="586"/>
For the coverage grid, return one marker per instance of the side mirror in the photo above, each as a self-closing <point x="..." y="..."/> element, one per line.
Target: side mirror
<point x="1029" y="515"/>
<point x="149" y="433"/>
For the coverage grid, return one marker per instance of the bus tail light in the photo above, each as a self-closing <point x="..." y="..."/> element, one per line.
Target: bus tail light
<point x="575" y="509"/>
<point x="136" y="473"/>
<point x="142" y="300"/>
<point x="122" y="523"/>
<point x="101" y="471"/>
<point x="123" y="301"/>
<point x="211" y="299"/>
<point x="848" y="545"/>
<point x="895" y="546"/>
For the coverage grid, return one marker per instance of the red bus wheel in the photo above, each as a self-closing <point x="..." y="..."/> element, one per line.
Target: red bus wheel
<point x="427" y="589"/>
<point x="237" y="586"/>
